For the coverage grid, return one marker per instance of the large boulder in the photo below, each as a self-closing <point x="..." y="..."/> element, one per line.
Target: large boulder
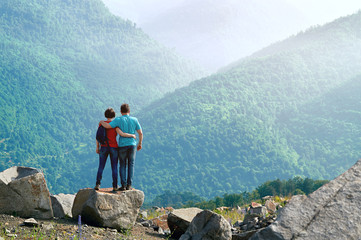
<point x="331" y="212"/>
<point x="208" y="225"/>
<point x="23" y="191"/>
<point x="105" y="208"/>
<point x="179" y="220"/>
<point x="62" y="204"/>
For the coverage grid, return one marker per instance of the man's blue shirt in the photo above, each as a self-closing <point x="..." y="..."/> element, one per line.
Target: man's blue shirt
<point x="129" y="125"/>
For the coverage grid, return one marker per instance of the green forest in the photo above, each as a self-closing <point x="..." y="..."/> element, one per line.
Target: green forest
<point x="289" y="110"/>
<point x="285" y="188"/>
<point x="63" y="62"/>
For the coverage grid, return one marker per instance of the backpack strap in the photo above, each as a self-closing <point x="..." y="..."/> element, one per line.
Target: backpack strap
<point x="106" y="137"/>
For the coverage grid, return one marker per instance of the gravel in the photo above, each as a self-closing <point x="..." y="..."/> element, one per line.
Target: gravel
<point x="12" y="227"/>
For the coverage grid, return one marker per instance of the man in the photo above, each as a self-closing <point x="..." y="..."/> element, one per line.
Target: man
<point x="127" y="147"/>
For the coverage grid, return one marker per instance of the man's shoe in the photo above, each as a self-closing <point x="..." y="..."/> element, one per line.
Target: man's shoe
<point x="129" y="187"/>
<point x="115" y="189"/>
<point x="97" y="187"/>
<point x="122" y="188"/>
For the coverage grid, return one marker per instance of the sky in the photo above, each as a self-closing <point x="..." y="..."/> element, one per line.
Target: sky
<point x="225" y="35"/>
<point x="318" y="11"/>
<point x="323" y="11"/>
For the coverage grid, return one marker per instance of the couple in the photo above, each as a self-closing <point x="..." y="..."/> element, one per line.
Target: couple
<point x="125" y="149"/>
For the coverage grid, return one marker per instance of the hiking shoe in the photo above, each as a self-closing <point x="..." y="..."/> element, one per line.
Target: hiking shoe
<point x="129" y="187"/>
<point x="122" y="188"/>
<point x="115" y="189"/>
<point x="97" y="187"/>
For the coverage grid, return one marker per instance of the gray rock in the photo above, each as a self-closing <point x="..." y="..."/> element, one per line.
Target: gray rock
<point x="250" y="218"/>
<point x="31" y="222"/>
<point x="238" y="223"/>
<point x="267" y="198"/>
<point x="271" y="206"/>
<point x="62" y="204"/>
<point x="23" y="191"/>
<point x="244" y="235"/>
<point x="208" y="225"/>
<point x="243" y="227"/>
<point x="261" y="211"/>
<point x="179" y="220"/>
<point x="331" y="212"/>
<point x="80" y="198"/>
<point x="143" y="214"/>
<point x="115" y="210"/>
<point x="252" y="224"/>
<point x="160" y="231"/>
<point x="146" y="223"/>
<point x="48" y="226"/>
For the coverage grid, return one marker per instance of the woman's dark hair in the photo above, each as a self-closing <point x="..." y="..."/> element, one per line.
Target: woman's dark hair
<point x="124" y="108"/>
<point x="109" y="113"/>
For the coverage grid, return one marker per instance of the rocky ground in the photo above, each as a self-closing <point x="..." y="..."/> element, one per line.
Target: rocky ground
<point x="14" y="228"/>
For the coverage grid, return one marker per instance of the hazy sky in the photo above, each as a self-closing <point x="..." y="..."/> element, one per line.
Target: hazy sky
<point x="214" y="33"/>
<point x="318" y="11"/>
<point x="322" y="11"/>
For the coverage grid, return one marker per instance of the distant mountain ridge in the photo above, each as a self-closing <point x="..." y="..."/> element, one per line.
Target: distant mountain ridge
<point x="216" y="33"/>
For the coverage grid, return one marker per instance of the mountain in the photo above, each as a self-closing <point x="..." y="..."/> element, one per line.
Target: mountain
<point x="216" y="33"/>
<point x="229" y="132"/>
<point x="327" y="129"/>
<point x="63" y="62"/>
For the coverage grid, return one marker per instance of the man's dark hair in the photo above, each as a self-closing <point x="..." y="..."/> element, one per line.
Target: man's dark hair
<point x="125" y="108"/>
<point x="109" y="113"/>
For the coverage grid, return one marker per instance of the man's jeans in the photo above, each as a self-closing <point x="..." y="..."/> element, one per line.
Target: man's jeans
<point x="103" y="155"/>
<point x="126" y="159"/>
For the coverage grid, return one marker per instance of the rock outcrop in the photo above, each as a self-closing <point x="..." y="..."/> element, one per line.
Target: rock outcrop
<point x="23" y="191"/>
<point x="260" y="210"/>
<point x="105" y="208"/>
<point x="270" y="206"/>
<point x="180" y="219"/>
<point x="208" y="225"/>
<point x="331" y="212"/>
<point x="254" y="220"/>
<point x="62" y="204"/>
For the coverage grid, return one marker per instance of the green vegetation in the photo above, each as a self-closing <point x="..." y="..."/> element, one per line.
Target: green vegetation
<point x="227" y="132"/>
<point x="284" y="188"/>
<point x="328" y="129"/>
<point x="62" y="63"/>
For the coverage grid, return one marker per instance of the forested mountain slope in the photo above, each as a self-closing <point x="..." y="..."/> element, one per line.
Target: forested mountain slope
<point x="62" y="62"/>
<point x="327" y="129"/>
<point x="223" y="133"/>
<point x="101" y="49"/>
